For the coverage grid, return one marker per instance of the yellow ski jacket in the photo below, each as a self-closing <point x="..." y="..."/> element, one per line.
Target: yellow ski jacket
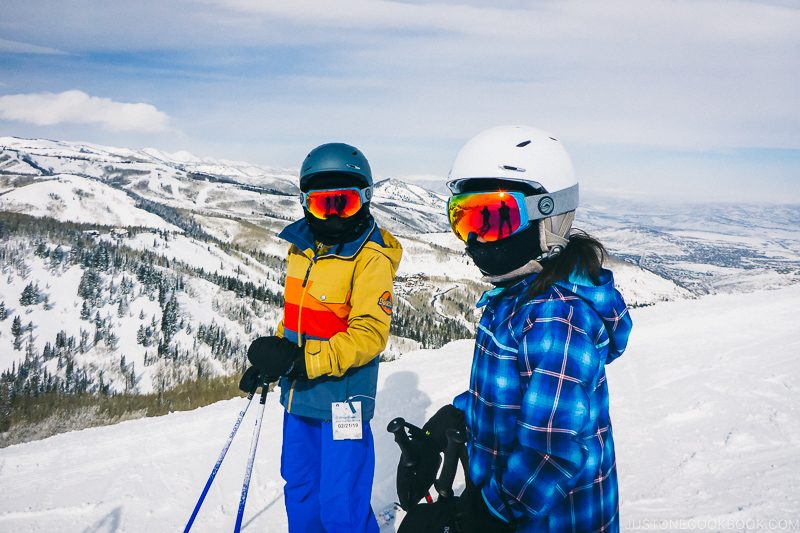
<point x="338" y="305"/>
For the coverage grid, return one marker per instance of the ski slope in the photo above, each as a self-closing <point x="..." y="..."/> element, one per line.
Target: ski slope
<point x="705" y="406"/>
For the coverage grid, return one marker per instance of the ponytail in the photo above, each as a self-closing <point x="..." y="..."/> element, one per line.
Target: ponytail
<point x="583" y="255"/>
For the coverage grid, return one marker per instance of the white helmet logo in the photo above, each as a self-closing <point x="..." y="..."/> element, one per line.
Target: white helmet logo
<point x="546" y="205"/>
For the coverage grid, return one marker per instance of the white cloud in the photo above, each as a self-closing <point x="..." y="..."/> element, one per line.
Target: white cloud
<point x="16" y="47"/>
<point x="410" y="80"/>
<point x="77" y="107"/>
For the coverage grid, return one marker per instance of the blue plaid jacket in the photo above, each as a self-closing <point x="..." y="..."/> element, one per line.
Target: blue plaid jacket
<point x="540" y="443"/>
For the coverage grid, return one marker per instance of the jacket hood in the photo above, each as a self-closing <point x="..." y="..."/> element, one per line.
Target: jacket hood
<point x="607" y="302"/>
<point x="385" y="243"/>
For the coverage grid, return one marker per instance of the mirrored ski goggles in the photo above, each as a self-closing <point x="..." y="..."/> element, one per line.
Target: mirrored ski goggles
<point x="489" y="215"/>
<point x="495" y="215"/>
<point x="343" y="203"/>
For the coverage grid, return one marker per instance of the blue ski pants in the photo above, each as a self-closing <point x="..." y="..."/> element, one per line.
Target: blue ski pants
<point x="328" y="482"/>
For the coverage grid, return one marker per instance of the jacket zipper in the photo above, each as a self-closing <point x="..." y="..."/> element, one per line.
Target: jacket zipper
<point x="299" y="330"/>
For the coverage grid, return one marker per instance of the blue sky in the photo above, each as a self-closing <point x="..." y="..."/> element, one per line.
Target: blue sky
<point x="668" y="98"/>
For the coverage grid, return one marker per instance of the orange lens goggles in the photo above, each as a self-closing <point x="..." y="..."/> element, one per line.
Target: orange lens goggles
<point x="491" y="216"/>
<point x="343" y="203"/>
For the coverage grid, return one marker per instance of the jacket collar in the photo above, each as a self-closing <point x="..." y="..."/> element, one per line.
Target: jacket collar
<point x="510" y="289"/>
<point x="299" y="234"/>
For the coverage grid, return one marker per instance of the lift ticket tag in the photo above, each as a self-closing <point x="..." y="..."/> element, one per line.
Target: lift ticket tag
<point x="346" y="420"/>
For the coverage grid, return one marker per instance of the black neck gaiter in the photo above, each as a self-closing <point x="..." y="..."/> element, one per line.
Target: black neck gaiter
<point x="336" y="230"/>
<point x="505" y="255"/>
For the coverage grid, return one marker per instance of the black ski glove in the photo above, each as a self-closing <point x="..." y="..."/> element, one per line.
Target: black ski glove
<point x="414" y="482"/>
<point x="475" y="517"/>
<point x="464" y="514"/>
<point x="276" y="357"/>
<point x="448" y="417"/>
<point x="251" y="379"/>
<point x="437" y="517"/>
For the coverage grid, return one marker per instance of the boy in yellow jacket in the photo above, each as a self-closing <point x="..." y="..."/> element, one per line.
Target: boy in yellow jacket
<point x="337" y="312"/>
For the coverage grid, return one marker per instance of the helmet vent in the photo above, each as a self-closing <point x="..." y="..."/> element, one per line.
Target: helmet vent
<point x="556" y="140"/>
<point x="354" y="153"/>
<point x="515" y="169"/>
<point x="523" y="144"/>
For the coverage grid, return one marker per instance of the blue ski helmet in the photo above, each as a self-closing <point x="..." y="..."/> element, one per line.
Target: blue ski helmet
<point x="335" y="159"/>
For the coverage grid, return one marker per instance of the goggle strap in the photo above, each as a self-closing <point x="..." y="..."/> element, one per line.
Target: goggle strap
<point x="548" y="204"/>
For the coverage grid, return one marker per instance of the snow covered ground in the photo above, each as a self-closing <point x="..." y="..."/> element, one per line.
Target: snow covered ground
<point x="705" y="405"/>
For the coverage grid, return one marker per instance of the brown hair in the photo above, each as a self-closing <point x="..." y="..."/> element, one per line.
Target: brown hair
<point x="583" y="255"/>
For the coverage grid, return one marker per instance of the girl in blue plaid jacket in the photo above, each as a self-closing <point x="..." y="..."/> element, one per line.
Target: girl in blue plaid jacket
<point x="539" y="437"/>
<point x="540" y="445"/>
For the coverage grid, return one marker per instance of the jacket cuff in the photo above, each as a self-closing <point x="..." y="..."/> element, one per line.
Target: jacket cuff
<point x="317" y="364"/>
<point x="495" y="502"/>
<point x="462" y="401"/>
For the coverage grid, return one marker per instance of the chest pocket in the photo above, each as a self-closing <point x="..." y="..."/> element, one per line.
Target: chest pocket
<point x="330" y="284"/>
<point x="327" y="292"/>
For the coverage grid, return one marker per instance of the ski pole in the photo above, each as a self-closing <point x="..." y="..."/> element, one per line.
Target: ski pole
<point x="397" y="428"/>
<point x="444" y="484"/>
<point x="253" y="445"/>
<point x="408" y="458"/>
<point x="219" y="461"/>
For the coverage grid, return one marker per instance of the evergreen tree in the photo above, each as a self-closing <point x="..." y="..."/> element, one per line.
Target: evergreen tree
<point x="122" y="308"/>
<point x="3" y="312"/>
<point x="89" y="287"/>
<point x="86" y="310"/>
<point x="131" y="378"/>
<point x="41" y="250"/>
<point x="61" y="340"/>
<point x="111" y="339"/>
<point x="84" y="342"/>
<point x="148" y="336"/>
<point x="30" y="348"/>
<point x="57" y="256"/>
<point x="30" y="295"/>
<point x="140" y="335"/>
<point x="162" y="294"/>
<point x="169" y="319"/>
<point x="16" y="331"/>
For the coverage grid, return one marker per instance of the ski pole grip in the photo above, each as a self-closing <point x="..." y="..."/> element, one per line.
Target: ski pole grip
<point x="397" y="427"/>
<point x="444" y="484"/>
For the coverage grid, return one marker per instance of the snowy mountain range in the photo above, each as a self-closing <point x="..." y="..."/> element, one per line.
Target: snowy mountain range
<point x="132" y="271"/>
<point x="203" y="232"/>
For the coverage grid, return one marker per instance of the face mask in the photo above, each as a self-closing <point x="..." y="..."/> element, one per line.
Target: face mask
<point x="505" y="255"/>
<point x="336" y="230"/>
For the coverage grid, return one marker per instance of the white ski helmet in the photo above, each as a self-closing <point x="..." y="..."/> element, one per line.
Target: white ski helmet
<point x="528" y="156"/>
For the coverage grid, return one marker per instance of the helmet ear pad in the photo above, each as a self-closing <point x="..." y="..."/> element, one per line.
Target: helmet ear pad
<point x="333" y="180"/>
